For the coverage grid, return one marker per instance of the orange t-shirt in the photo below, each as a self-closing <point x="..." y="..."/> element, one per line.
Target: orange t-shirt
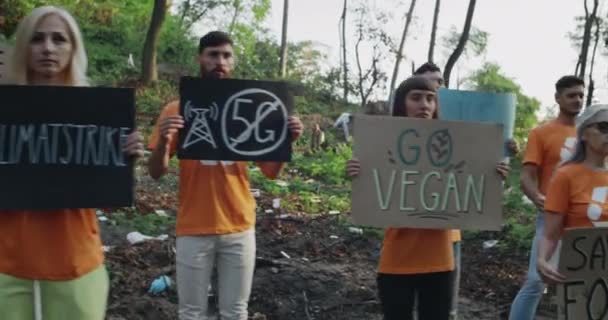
<point x="214" y="196"/>
<point x="55" y="245"/>
<point x="549" y="145"/>
<point x="411" y="251"/>
<point x="580" y="193"/>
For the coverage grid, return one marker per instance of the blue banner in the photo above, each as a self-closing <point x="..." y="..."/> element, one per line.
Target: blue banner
<point x="479" y="107"/>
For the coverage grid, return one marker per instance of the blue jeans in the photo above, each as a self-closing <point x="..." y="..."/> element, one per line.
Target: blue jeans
<point x="527" y="299"/>
<point x="455" y="285"/>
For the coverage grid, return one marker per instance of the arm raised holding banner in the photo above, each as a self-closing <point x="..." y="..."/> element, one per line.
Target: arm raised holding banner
<point x="166" y="146"/>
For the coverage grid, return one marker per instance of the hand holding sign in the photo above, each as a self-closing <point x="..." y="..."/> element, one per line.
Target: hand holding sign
<point x="503" y="169"/>
<point x="295" y="127"/>
<point x="169" y="127"/>
<point x="353" y="167"/>
<point x="548" y="272"/>
<point x="134" y="146"/>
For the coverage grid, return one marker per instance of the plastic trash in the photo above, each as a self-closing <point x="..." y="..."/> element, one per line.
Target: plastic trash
<point x="276" y="203"/>
<point x="281" y="183"/>
<point x="285" y="255"/>
<point x="355" y="230"/>
<point x="137" y="237"/>
<point x="159" y="285"/>
<point x="256" y="193"/>
<point x="525" y="200"/>
<point x="161" y="213"/>
<point x="489" y="244"/>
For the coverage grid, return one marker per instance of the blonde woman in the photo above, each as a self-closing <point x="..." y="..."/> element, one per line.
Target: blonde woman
<point x="51" y="263"/>
<point x="577" y="191"/>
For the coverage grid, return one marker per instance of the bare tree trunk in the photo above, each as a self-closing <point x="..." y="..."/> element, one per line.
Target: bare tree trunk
<point x="361" y="76"/>
<point x="237" y="11"/>
<point x="591" y="86"/>
<point x="434" y="31"/>
<point x="464" y="37"/>
<point x="408" y="20"/>
<point x="344" y="61"/>
<point x="148" y="66"/>
<point x="283" y="54"/>
<point x="589" y="20"/>
<point x="185" y="8"/>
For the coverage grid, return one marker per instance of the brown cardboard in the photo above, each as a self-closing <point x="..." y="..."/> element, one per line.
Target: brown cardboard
<point x="584" y="262"/>
<point x="452" y="164"/>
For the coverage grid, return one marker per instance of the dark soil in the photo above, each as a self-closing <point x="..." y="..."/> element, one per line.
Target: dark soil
<point x="308" y="267"/>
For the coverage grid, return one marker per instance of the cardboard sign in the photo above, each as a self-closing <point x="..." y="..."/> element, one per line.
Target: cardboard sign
<point x="476" y="106"/>
<point x="232" y="119"/>
<point x="427" y="173"/>
<point x="4" y="52"/>
<point x="61" y="147"/>
<point x="584" y="262"/>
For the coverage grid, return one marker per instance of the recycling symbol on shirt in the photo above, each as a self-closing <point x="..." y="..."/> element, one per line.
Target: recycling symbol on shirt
<point x="567" y="150"/>
<point x="597" y="204"/>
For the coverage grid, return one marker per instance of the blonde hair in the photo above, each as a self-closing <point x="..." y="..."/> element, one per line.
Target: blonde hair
<point x="18" y="61"/>
<point x="582" y="122"/>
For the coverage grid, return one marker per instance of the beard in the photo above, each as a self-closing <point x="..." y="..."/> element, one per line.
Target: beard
<point x="217" y="73"/>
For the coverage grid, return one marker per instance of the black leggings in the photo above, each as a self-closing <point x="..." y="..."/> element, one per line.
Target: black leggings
<point x="398" y="291"/>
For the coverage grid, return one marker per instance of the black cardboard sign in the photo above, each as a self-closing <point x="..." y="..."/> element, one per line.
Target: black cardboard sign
<point x="61" y="147"/>
<point x="233" y="119"/>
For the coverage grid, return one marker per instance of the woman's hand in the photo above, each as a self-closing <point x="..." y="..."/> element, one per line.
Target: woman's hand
<point x="503" y="169"/>
<point x="135" y="146"/>
<point x="353" y="167"/>
<point x="548" y="273"/>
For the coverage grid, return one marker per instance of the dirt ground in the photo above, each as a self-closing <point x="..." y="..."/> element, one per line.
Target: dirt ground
<point x="307" y="268"/>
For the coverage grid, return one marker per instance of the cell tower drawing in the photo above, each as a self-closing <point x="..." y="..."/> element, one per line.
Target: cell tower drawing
<point x="200" y="130"/>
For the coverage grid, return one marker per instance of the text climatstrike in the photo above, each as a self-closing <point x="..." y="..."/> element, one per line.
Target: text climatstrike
<point x="62" y="144"/>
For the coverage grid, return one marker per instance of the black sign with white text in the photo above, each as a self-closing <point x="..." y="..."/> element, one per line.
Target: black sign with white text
<point x="231" y="119"/>
<point x="62" y="147"/>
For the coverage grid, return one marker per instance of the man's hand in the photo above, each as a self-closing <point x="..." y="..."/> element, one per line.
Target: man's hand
<point x="168" y="127"/>
<point x="539" y="200"/>
<point x="295" y="127"/>
<point x="512" y="147"/>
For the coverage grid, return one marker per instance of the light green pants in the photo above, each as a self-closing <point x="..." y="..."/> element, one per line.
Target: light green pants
<point x="84" y="298"/>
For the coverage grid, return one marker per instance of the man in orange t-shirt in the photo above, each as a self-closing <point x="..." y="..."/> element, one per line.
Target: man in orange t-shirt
<point x="216" y="218"/>
<point x="548" y="146"/>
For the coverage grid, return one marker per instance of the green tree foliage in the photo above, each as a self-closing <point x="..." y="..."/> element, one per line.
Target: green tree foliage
<point x="113" y="30"/>
<point x="490" y="78"/>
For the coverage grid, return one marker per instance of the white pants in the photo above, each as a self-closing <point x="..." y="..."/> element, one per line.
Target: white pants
<point x="235" y="257"/>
